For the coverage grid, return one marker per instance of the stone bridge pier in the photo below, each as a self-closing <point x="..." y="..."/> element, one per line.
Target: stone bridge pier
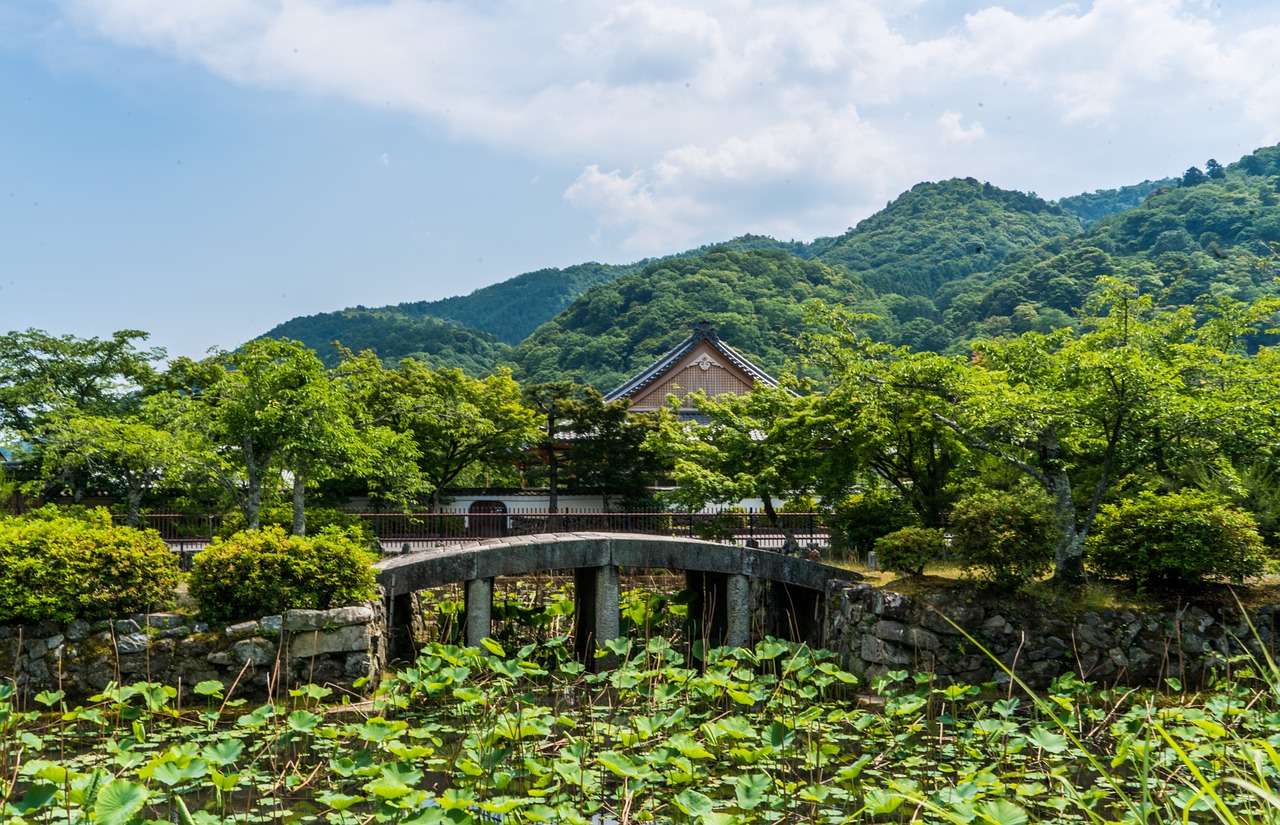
<point x="728" y="582"/>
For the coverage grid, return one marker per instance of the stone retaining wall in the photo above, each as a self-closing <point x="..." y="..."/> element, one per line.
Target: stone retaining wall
<point x="261" y="658"/>
<point x="875" y="631"/>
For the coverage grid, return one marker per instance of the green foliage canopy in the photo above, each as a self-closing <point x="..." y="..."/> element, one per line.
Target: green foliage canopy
<point x="42" y="374"/>
<point x="457" y="424"/>
<point x="1179" y="538"/>
<point x="266" y="572"/>
<point x="60" y="566"/>
<point x="1137" y="390"/>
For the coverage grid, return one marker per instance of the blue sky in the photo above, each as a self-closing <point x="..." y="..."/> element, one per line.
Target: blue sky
<point x="205" y="169"/>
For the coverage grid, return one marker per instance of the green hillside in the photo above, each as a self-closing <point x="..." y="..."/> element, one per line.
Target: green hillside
<point x="756" y="300"/>
<point x="394" y="336"/>
<point x="1183" y="241"/>
<point x="941" y="266"/>
<point x="539" y="297"/>
<point x="470" y="332"/>
<point x="939" y="232"/>
<point x="1093" y="206"/>
<point x="480" y="323"/>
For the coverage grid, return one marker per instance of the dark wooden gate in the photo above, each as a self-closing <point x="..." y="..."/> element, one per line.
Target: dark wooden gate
<point x="487" y="519"/>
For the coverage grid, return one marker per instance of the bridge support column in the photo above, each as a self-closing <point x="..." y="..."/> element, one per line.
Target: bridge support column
<point x="479" y="601"/>
<point x="738" y="606"/>
<point x="595" y="613"/>
<point x="401" y="646"/>
<point x="721" y="608"/>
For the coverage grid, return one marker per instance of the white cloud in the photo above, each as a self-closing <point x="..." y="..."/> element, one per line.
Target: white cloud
<point x="793" y="115"/>
<point x="629" y="201"/>
<point x="954" y="129"/>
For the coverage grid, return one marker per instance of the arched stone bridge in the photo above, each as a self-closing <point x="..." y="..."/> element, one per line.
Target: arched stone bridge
<point x="785" y="591"/>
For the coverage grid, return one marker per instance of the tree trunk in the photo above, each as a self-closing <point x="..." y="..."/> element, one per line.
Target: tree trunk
<point x="299" y="500"/>
<point x="252" y="507"/>
<point x="789" y="543"/>
<point x="1068" y="555"/>
<point x="134" y="499"/>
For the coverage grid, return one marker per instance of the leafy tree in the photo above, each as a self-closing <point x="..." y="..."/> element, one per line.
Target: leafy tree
<point x="43" y="375"/>
<point x="1133" y="392"/>
<point x="270" y="406"/>
<point x="874" y="420"/>
<point x="608" y="456"/>
<point x="457" y="424"/>
<point x="552" y="401"/>
<point x="752" y="446"/>
<point x="589" y="446"/>
<point x="128" y="455"/>
<point x="1214" y="170"/>
<point x="1193" y="177"/>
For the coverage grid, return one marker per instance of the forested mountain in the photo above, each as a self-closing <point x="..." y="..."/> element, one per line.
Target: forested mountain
<point x="943" y="265"/>
<point x="755" y="299"/>
<point x="1201" y="235"/>
<point x="393" y="336"/>
<point x="544" y="294"/>
<point x="938" y="232"/>
<point x="483" y="322"/>
<point x="1092" y="206"/>
<point x="466" y="331"/>
<point x="540" y="296"/>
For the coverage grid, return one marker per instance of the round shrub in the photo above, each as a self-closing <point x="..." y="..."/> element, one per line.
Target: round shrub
<point x="908" y="550"/>
<point x="864" y="517"/>
<point x="1005" y="537"/>
<point x="1175" y="538"/>
<point x="266" y="572"/>
<point x="78" y="566"/>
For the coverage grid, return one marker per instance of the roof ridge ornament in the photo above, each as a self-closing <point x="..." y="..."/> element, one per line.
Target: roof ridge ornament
<point x="703" y="331"/>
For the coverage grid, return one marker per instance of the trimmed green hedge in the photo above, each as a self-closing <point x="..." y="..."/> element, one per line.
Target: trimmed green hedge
<point x="1176" y="538"/>
<point x="908" y="550"/>
<point x="266" y="572"/>
<point x="61" y="566"/>
<point x="1004" y="537"/>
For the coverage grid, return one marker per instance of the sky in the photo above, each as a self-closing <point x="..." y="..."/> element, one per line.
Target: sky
<point x="206" y="169"/>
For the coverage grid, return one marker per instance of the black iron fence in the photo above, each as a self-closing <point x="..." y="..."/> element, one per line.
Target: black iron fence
<point x="179" y="527"/>
<point x="793" y="531"/>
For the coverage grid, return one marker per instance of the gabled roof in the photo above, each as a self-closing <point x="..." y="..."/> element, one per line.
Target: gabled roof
<point x="703" y="332"/>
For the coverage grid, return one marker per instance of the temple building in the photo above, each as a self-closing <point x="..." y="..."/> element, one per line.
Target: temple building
<point x="700" y="362"/>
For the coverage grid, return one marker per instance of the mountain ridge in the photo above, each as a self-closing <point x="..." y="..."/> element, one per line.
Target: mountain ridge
<point x="944" y="263"/>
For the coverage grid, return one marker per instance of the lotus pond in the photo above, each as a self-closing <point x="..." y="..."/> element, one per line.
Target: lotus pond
<point x="522" y="732"/>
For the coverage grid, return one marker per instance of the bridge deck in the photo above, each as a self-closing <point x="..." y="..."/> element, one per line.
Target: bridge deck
<point x="520" y="555"/>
